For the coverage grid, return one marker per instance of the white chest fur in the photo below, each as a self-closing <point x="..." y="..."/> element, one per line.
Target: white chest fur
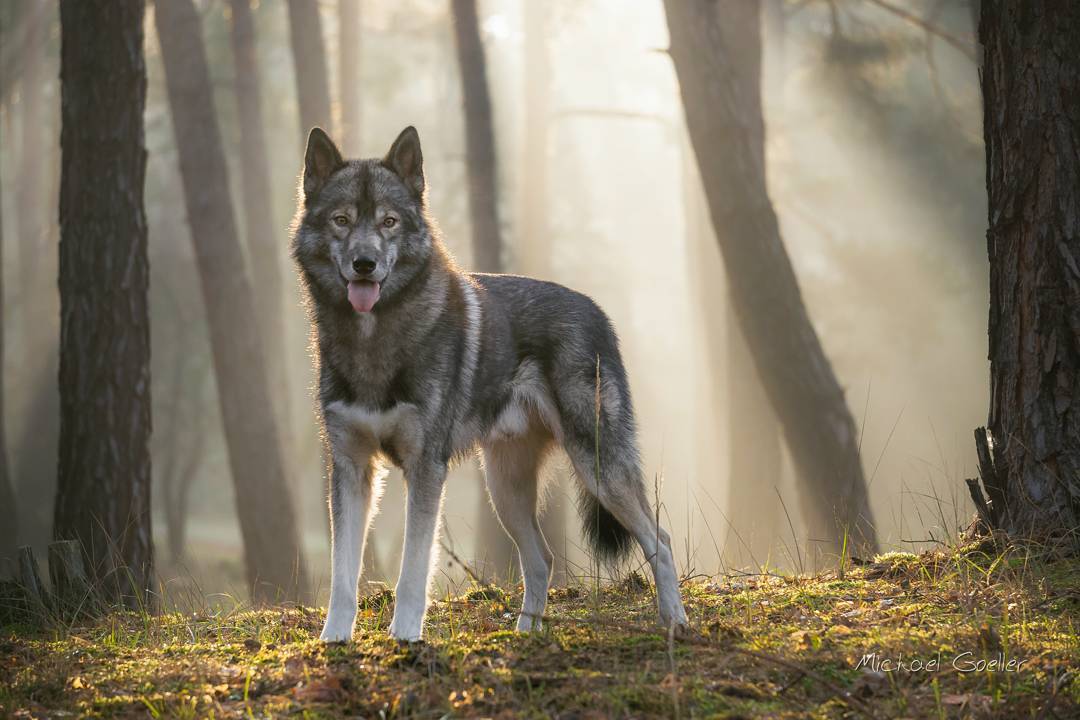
<point x="360" y="431"/>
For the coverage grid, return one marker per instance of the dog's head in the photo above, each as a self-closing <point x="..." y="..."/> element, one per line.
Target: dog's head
<point x="363" y="232"/>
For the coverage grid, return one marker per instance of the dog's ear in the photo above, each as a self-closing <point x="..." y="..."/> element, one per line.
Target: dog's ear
<point x="406" y="160"/>
<point x="320" y="161"/>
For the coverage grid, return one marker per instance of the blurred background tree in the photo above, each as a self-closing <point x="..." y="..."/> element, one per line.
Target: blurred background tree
<point x="870" y="150"/>
<point x="273" y="557"/>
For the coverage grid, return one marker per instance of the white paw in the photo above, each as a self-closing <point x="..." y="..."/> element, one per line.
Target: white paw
<point x="337" y="630"/>
<point x="673" y="612"/>
<point x="679" y="621"/>
<point x="405" y="630"/>
<point x="529" y="623"/>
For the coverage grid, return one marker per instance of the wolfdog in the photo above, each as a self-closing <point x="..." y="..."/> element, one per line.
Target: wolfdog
<point x="421" y="363"/>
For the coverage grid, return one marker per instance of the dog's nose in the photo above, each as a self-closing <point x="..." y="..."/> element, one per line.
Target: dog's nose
<point x="363" y="265"/>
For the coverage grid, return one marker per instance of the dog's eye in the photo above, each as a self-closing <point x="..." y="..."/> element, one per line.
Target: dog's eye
<point x="389" y="221"/>
<point x="341" y="220"/>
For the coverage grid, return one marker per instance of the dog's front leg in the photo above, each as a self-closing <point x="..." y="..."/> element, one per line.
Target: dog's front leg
<point x="352" y="490"/>
<point x="425" y="489"/>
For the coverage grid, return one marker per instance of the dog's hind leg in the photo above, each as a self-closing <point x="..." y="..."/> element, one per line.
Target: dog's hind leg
<point x="353" y="495"/>
<point x="620" y="493"/>
<point x="511" y="466"/>
<point x="606" y="442"/>
<point x="425" y="491"/>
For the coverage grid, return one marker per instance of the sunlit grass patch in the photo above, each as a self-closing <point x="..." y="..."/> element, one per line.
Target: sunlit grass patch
<point x="790" y="646"/>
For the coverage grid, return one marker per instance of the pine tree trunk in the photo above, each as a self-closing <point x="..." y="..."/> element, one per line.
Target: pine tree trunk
<point x="497" y="551"/>
<point x="9" y="514"/>
<point x="103" y="493"/>
<point x="754" y="448"/>
<point x="754" y="431"/>
<point x="1030" y="80"/>
<point x="309" y="61"/>
<point x="349" y="42"/>
<point x="268" y="524"/>
<point x="479" y="139"/>
<point x="37" y="303"/>
<point x="34" y="459"/>
<point x="265" y="243"/>
<point x="722" y="118"/>
<point x="180" y="430"/>
<point x="30" y="189"/>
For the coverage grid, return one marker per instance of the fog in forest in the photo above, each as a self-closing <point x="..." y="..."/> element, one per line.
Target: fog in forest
<point x="874" y="158"/>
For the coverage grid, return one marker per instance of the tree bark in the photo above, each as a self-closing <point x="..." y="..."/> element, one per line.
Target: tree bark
<point x="309" y="61"/>
<point x="349" y="43"/>
<point x="9" y="514"/>
<point x="755" y="447"/>
<point x="34" y="459"/>
<point x="265" y="243"/>
<point x="103" y="481"/>
<point x="479" y="139"/>
<point x="794" y="370"/>
<point x="30" y="189"/>
<point x="272" y="551"/>
<point x="1031" y="125"/>
<point x="182" y="435"/>
<point x="37" y="308"/>
<point x="18" y="35"/>
<point x="497" y="551"/>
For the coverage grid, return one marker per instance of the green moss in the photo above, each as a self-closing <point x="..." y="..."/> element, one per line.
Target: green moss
<point x="601" y="655"/>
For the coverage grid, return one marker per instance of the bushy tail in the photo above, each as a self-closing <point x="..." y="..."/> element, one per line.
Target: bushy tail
<point x="608" y="538"/>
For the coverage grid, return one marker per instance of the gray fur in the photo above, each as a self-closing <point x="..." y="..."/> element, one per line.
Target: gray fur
<point x="448" y="361"/>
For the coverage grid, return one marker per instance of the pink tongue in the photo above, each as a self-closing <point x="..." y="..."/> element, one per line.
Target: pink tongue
<point x="363" y="295"/>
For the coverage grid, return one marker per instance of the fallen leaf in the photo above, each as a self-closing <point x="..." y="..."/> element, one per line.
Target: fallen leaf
<point x="328" y="689"/>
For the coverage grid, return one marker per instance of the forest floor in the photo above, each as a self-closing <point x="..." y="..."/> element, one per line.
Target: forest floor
<point x="977" y="634"/>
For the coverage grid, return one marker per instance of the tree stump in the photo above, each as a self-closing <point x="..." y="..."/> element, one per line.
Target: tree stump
<point x="36" y="597"/>
<point x="68" y="575"/>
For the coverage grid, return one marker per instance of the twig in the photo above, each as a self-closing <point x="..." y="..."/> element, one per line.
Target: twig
<point x="464" y="566"/>
<point x="791" y="526"/>
<point x="791" y="683"/>
<point x="945" y="35"/>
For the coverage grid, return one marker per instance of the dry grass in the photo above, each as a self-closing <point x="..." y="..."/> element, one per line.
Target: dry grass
<point x="762" y="646"/>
